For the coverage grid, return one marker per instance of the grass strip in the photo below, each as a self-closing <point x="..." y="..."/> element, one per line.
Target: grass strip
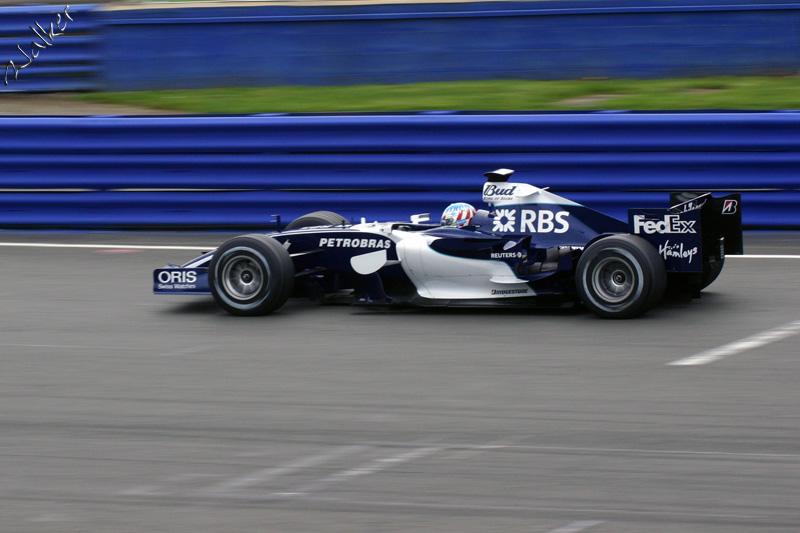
<point x="745" y="93"/>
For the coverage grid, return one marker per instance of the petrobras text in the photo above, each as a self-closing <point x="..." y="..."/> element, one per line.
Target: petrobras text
<point x="530" y="221"/>
<point x="668" y="224"/>
<point x="340" y="242"/>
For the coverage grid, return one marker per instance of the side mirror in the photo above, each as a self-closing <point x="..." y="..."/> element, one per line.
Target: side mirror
<point x="418" y="219"/>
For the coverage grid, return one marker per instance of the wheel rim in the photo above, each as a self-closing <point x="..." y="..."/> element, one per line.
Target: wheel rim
<point x="613" y="280"/>
<point x="242" y="277"/>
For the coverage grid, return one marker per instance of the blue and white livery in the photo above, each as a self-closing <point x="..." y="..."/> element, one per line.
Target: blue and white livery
<point x="529" y="247"/>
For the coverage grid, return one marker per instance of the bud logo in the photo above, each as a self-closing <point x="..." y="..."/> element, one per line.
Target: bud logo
<point x="669" y="224"/>
<point x="177" y="276"/>
<point x="355" y="243"/>
<point x="729" y="207"/>
<point x="494" y="190"/>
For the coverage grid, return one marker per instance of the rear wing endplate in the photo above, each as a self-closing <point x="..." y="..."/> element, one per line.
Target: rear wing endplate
<point x="721" y="218"/>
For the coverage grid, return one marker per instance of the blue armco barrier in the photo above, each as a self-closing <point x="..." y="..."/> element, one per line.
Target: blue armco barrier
<point x="237" y="171"/>
<point x="405" y="43"/>
<point x="171" y="48"/>
<point x="71" y="61"/>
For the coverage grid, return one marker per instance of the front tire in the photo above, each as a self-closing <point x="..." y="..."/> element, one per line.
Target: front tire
<point x="317" y="218"/>
<point x="251" y="275"/>
<point x="621" y="276"/>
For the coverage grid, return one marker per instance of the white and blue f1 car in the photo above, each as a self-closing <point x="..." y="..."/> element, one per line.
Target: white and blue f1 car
<point x="529" y="248"/>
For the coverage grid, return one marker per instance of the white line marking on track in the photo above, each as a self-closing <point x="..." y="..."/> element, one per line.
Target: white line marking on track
<point x="117" y="251"/>
<point x="499" y="444"/>
<point x="767" y="256"/>
<point x="104" y="246"/>
<point x="370" y="467"/>
<point x="576" y="527"/>
<point x="749" y="343"/>
<point x="260" y="476"/>
<point x="575" y="449"/>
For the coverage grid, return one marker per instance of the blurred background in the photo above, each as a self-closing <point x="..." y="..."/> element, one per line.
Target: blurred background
<point x="689" y="54"/>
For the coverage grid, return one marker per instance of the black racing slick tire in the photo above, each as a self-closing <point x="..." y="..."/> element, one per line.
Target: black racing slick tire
<point x="317" y="218"/>
<point x="621" y="276"/>
<point x="251" y="275"/>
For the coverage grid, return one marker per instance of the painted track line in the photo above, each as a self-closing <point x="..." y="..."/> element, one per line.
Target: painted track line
<point x="372" y="467"/>
<point x="103" y="246"/>
<point x="748" y="343"/>
<point x="582" y="449"/>
<point x="577" y="527"/>
<point x="763" y="256"/>
<point x="265" y="474"/>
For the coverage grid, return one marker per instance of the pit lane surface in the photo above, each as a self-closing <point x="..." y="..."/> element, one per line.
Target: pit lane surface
<point x="127" y="412"/>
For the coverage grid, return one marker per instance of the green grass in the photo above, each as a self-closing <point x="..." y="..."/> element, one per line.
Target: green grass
<point x="669" y="94"/>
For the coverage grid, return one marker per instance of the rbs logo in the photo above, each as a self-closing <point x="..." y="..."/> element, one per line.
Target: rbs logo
<point x="542" y="221"/>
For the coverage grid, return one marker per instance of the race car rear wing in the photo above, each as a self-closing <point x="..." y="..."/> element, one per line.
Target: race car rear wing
<point x="696" y="232"/>
<point x="720" y="217"/>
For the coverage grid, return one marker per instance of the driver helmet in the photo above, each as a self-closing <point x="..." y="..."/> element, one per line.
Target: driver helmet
<point x="458" y="215"/>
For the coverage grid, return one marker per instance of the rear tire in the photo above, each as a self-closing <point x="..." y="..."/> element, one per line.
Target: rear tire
<point x="621" y="276"/>
<point x="317" y="218"/>
<point x="251" y="275"/>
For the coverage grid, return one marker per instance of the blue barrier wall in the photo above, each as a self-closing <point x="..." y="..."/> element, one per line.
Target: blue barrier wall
<point x="136" y="49"/>
<point x="404" y="43"/>
<point x="237" y="171"/>
<point x="69" y="62"/>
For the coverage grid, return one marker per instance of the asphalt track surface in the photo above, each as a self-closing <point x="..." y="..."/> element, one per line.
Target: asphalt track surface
<point x="127" y="412"/>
